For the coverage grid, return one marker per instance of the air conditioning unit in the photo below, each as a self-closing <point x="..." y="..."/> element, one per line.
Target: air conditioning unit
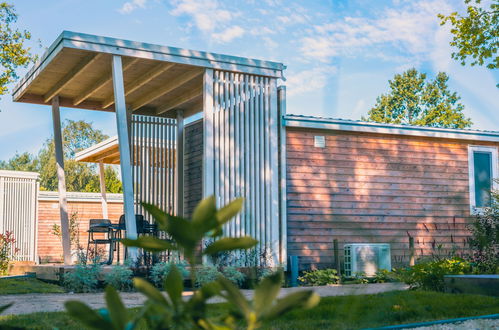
<point x="367" y="258"/>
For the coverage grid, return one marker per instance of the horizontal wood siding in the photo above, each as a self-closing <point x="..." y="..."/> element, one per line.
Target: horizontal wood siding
<point x="374" y="188"/>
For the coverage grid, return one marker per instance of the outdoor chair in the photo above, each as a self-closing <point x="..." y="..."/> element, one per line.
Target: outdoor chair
<point x="143" y="228"/>
<point x="103" y="228"/>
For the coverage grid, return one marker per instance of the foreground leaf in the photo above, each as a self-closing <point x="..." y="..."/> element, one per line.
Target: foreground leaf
<point x="174" y="286"/>
<point x="230" y="210"/>
<point x="4" y="307"/>
<point x="149" y="290"/>
<point x="86" y="315"/>
<point x="302" y="299"/>
<point x="267" y="291"/>
<point x="149" y="243"/>
<point x="228" y="244"/>
<point x="117" y="310"/>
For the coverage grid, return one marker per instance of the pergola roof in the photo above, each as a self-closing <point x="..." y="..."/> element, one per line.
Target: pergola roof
<point x="158" y="79"/>
<point x="107" y="151"/>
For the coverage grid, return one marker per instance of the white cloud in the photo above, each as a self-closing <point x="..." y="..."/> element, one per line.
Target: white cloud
<point x="228" y="34"/>
<point x="308" y="80"/>
<point x="130" y="6"/>
<point x="403" y="31"/>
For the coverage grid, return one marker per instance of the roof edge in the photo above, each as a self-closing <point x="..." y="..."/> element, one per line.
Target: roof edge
<point x="380" y="128"/>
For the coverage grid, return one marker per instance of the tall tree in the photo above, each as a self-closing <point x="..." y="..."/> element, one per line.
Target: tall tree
<point x="13" y="53"/>
<point x="77" y="135"/>
<point x="413" y="100"/>
<point x="475" y="34"/>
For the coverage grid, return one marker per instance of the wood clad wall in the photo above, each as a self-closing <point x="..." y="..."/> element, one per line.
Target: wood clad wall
<point x="193" y="166"/>
<point x="49" y="246"/>
<point x="365" y="188"/>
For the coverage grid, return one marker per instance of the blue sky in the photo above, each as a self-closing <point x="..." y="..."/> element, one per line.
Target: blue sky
<point x="339" y="53"/>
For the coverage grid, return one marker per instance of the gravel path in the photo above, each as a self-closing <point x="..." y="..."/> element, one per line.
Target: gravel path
<point x="481" y="324"/>
<point x="31" y="303"/>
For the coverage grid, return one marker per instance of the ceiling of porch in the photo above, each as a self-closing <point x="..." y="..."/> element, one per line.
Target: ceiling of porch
<point x="158" y="80"/>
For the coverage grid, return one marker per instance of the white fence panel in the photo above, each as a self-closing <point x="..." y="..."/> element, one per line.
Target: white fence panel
<point x="18" y="211"/>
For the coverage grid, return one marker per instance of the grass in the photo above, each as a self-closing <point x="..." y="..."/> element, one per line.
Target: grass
<point x="27" y="285"/>
<point x="347" y="312"/>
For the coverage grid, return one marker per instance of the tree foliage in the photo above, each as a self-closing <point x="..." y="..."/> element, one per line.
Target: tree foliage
<point x="77" y="135"/>
<point x="13" y="53"/>
<point x="413" y="100"/>
<point x="475" y="34"/>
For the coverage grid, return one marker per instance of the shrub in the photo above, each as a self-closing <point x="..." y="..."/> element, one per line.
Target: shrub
<point x="120" y="278"/>
<point x="429" y="275"/>
<point x="161" y="270"/>
<point x="206" y="274"/>
<point x="384" y="276"/>
<point x="233" y="275"/>
<point x="320" y="277"/>
<point x="484" y="241"/>
<point x="7" y="242"/>
<point x="85" y="278"/>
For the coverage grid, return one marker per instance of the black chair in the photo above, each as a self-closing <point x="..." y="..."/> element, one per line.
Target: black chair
<point x="143" y="228"/>
<point x="103" y="227"/>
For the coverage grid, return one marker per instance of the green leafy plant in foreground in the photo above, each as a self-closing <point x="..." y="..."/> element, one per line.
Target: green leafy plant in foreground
<point x="170" y="310"/>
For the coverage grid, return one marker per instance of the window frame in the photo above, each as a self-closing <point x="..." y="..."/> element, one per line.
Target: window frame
<point x="471" y="172"/>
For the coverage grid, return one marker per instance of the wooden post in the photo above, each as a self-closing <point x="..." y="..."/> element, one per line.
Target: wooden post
<point x="208" y="157"/>
<point x="336" y="256"/>
<point x="411" y="251"/>
<point x="61" y="178"/>
<point x="124" y="147"/>
<point x="180" y="164"/>
<point x="281" y="97"/>
<point x="103" y="197"/>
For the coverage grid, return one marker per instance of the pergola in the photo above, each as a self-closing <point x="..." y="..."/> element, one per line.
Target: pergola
<point x="151" y="89"/>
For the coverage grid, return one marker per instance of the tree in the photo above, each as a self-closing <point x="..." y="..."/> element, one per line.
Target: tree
<point x="476" y="34"/>
<point x="77" y="135"/>
<point x="13" y="52"/>
<point x="414" y="101"/>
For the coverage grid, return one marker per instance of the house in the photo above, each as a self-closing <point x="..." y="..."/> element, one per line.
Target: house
<point x="194" y="124"/>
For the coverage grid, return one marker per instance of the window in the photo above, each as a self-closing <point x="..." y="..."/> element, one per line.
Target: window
<point x="482" y="162"/>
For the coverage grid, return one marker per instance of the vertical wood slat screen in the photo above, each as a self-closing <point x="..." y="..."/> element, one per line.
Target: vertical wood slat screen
<point x="154" y="164"/>
<point x="18" y="212"/>
<point x="244" y="146"/>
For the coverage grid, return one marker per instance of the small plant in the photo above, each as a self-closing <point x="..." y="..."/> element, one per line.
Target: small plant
<point x="161" y="270"/>
<point x="206" y="274"/>
<point x="233" y="275"/>
<point x="7" y="242"/>
<point x="120" y="278"/>
<point x="320" y="277"/>
<point x="84" y="278"/>
<point x="74" y="230"/>
<point x="484" y="241"/>
<point x="383" y="276"/>
<point x="429" y="275"/>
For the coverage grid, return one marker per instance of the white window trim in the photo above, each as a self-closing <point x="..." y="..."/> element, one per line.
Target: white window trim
<point x="471" y="171"/>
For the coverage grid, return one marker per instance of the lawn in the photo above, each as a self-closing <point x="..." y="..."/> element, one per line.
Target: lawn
<point x="347" y="312"/>
<point x="27" y="285"/>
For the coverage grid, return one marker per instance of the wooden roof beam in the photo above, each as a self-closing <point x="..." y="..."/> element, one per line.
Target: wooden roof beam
<point x="101" y="82"/>
<point x="179" y="101"/>
<point x="166" y="88"/>
<point x="77" y="70"/>
<point x="141" y="81"/>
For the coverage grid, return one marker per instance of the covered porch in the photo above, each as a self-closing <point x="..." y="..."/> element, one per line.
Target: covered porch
<point x="152" y="90"/>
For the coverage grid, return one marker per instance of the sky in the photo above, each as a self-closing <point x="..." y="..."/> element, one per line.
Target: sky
<point x="339" y="54"/>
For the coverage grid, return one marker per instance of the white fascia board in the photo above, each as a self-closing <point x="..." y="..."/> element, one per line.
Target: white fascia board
<point x="97" y="148"/>
<point x="365" y="127"/>
<point x="19" y="174"/>
<point x="89" y="42"/>
<point x="80" y="197"/>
